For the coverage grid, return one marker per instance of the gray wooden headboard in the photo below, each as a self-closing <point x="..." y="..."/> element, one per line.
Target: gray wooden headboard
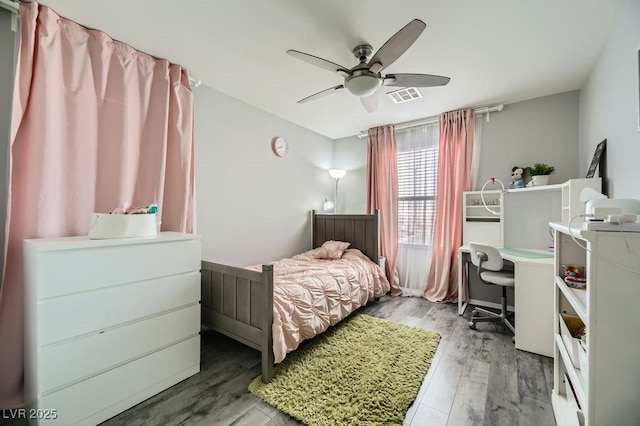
<point x="361" y="230"/>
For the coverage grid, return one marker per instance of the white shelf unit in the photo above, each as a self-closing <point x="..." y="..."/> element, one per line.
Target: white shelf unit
<point x="607" y="383"/>
<point x="558" y="202"/>
<point x="479" y="224"/>
<point x="108" y="323"/>
<point x="543" y="188"/>
<point x="571" y="204"/>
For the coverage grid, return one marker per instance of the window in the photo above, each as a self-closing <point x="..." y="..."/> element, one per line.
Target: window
<point x="417" y="184"/>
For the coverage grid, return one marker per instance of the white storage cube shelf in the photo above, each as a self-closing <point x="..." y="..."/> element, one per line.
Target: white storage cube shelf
<point x="483" y="223"/>
<point x="603" y="373"/>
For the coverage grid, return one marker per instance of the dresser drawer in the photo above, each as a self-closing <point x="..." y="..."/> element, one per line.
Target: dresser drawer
<point x="78" y="270"/>
<point x="59" y="365"/>
<point x="95" y="311"/>
<point x="101" y="397"/>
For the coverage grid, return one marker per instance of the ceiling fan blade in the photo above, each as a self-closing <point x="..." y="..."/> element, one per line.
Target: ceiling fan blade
<point x="319" y="62"/>
<point x="397" y="45"/>
<point x="370" y="103"/>
<point x="414" y="80"/>
<point x="320" y="94"/>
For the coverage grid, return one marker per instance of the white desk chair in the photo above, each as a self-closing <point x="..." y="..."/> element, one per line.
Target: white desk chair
<point x="488" y="261"/>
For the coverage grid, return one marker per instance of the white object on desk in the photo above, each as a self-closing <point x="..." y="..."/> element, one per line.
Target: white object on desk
<point x="611" y="227"/>
<point x="572" y="196"/>
<point x="533" y="303"/>
<point x="600" y="209"/>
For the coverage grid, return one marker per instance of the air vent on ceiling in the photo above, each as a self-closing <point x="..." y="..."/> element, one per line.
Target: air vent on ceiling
<point x="405" y="95"/>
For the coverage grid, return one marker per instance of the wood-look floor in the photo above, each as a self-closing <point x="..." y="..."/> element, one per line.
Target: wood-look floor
<point x="477" y="378"/>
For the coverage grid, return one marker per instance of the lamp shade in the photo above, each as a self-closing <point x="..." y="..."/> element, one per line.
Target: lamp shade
<point x="362" y="85"/>
<point x="337" y="173"/>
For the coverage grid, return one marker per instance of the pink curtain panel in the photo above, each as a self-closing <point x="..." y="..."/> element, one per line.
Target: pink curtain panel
<point x="382" y="194"/>
<point x="95" y="123"/>
<point x="455" y="149"/>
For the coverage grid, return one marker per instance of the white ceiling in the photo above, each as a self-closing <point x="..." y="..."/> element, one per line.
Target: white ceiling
<point x="495" y="51"/>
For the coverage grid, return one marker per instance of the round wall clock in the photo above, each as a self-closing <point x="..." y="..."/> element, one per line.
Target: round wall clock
<point x="280" y="146"/>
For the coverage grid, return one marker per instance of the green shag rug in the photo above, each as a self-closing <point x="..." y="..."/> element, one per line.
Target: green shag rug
<point x="363" y="371"/>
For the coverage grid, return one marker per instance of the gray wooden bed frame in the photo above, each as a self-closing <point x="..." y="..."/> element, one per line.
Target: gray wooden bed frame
<point x="238" y="302"/>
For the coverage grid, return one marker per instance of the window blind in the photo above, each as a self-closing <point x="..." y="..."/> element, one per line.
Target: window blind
<point x="417" y="185"/>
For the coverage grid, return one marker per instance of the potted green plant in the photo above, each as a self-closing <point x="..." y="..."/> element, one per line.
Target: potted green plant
<point x="540" y="173"/>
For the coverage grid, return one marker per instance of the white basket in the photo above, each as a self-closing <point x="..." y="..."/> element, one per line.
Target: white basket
<point x="106" y="226"/>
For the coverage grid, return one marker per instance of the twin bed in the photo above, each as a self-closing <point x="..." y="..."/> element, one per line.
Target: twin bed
<point x="274" y="307"/>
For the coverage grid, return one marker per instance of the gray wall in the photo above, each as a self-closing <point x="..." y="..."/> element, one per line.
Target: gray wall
<point x="538" y="130"/>
<point x="7" y="41"/>
<point x="350" y="154"/>
<point x="609" y="106"/>
<point x="252" y="206"/>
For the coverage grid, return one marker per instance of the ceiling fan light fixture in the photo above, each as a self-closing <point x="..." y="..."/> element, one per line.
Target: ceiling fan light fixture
<point x="362" y="85"/>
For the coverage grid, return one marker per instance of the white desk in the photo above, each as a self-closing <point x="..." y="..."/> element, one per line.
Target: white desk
<point x="533" y="303"/>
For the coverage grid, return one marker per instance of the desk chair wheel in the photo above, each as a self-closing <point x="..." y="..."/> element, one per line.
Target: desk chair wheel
<point x="472" y="325"/>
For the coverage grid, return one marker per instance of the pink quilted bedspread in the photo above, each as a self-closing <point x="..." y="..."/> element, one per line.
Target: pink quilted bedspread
<point x="310" y="294"/>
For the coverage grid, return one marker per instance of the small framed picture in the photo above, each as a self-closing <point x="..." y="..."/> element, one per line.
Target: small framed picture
<point x="597" y="158"/>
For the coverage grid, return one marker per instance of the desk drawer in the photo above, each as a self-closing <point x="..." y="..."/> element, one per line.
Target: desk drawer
<point x="59" y="365"/>
<point x="67" y="317"/>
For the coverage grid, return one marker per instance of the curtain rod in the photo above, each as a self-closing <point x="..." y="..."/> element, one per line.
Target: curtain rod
<point x="10" y="5"/>
<point x="435" y="118"/>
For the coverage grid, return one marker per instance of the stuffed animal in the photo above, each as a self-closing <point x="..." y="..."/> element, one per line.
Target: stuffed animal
<point x="517" y="178"/>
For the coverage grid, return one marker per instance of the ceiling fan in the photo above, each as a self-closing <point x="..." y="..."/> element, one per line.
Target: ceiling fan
<point x="364" y="79"/>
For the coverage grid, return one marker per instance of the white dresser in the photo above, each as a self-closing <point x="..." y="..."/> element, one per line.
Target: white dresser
<point x="108" y="323"/>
